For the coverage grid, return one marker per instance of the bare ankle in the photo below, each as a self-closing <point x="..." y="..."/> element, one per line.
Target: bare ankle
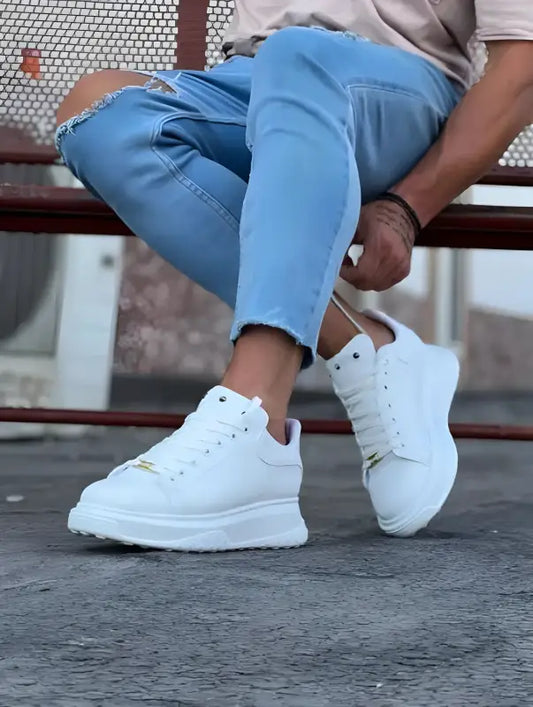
<point x="278" y="430"/>
<point x="338" y="329"/>
<point x="265" y="364"/>
<point x="275" y="408"/>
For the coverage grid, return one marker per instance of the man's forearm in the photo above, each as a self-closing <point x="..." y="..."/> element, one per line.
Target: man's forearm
<point x="477" y="133"/>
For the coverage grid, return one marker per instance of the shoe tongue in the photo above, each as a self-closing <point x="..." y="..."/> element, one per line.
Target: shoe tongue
<point x="227" y="401"/>
<point x="354" y="362"/>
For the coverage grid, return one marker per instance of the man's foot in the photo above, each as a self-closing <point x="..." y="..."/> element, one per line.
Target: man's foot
<point x="221" y="482"/>
<point x="398" y="400"/>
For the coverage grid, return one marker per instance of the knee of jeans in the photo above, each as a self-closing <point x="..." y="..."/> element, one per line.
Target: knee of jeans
<point x="293" y="50"/>
<point x="86" y="102"/>
<point x="286" y="46"/>
<point x="98" y="138"/>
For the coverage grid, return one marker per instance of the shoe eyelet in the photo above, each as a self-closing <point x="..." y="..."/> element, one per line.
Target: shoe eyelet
<point x="219" y="443"/>
<point x="222" y="399"/>
<point x="246" y="429"/>
<point x="207" y="451"/>
<point x="182" y="473"/>
<point x="172" y="478"/>
<point x="386" y="387"/>
<point x="356" y="355"/>
<point x="337" y="367"/>
<point x="233" y="436"/>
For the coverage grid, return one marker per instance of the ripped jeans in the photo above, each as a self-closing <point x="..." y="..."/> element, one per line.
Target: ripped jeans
<point x="249" y="178"/>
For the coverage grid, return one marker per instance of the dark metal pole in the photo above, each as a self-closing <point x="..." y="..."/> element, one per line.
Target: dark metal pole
<point x="191" y="36"/>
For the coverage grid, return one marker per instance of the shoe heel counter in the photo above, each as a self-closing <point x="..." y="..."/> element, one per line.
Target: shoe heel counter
<point x="294" y="476"/>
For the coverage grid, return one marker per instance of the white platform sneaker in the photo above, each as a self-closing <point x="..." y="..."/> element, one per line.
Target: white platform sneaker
<point x="221" y="482"/>
<point x="398" y="400"/>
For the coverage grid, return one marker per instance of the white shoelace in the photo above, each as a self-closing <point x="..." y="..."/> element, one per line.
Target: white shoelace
<point x="185" y="448"/>
<point x="363" y="411"/>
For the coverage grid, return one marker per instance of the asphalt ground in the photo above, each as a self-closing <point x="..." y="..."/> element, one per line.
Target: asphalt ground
<point x="353" y="618"/>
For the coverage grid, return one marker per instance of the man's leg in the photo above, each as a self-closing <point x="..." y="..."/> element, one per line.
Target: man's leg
<point x="315" y="95"/>
<point x="169" y="239"/>
<point x="221" y="481"/>
<point x="180" y="162"/>
<point x="138" y="149"/>
<point x="176" y="174"/>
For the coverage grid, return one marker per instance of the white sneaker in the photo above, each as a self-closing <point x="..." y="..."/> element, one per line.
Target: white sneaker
<point x="398" y="400"/>
<point x="221" y="482"/>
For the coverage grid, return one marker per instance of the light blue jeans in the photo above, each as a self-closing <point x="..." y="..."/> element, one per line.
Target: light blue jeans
<point x="249" y="178"/>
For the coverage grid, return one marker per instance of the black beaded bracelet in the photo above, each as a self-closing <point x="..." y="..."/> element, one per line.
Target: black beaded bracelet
<point x="397" y="199"/>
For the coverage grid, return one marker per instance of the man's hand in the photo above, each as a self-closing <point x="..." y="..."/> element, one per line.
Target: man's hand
<point x="387" y="235"/>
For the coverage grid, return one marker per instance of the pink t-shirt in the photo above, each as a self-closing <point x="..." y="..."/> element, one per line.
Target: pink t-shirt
<point x="439" y="30"/>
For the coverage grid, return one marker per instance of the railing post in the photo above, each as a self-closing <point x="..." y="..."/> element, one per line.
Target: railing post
<point x="192" y="33"/>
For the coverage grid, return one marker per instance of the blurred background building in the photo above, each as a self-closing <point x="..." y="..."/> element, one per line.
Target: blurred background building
<point x="78" y="313"/>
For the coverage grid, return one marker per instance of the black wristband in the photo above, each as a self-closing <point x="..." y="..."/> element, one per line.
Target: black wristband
<point x="397" y="199"/>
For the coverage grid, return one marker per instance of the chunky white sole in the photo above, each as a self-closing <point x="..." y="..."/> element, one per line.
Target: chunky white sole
<point x="441" y="375"/>
<point x="278" y="524"/>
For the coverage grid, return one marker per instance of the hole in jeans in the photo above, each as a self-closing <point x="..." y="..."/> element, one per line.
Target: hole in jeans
<point x="156" y="84"/>
<point x="68" y="127"/>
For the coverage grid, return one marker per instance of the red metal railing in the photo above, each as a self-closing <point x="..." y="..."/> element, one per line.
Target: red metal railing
<point x="111" y="418"/>
<point x="36" y="209"/>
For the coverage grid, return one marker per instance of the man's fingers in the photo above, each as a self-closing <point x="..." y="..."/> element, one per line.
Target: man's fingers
<point x="387" y="279"/>
<point x="363" y="275"/>
<point x="366" y="276"/>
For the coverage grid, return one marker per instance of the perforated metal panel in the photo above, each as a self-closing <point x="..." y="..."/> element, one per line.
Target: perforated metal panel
<point x="520" y="153"/>
<point x="72" y="38"/>
<point x="218" y="18"/>
<point x="77" y="36"/>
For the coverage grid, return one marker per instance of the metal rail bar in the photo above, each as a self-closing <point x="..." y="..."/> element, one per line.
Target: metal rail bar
<point x="36" y="209"/>
<point x="111" y="418"/>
